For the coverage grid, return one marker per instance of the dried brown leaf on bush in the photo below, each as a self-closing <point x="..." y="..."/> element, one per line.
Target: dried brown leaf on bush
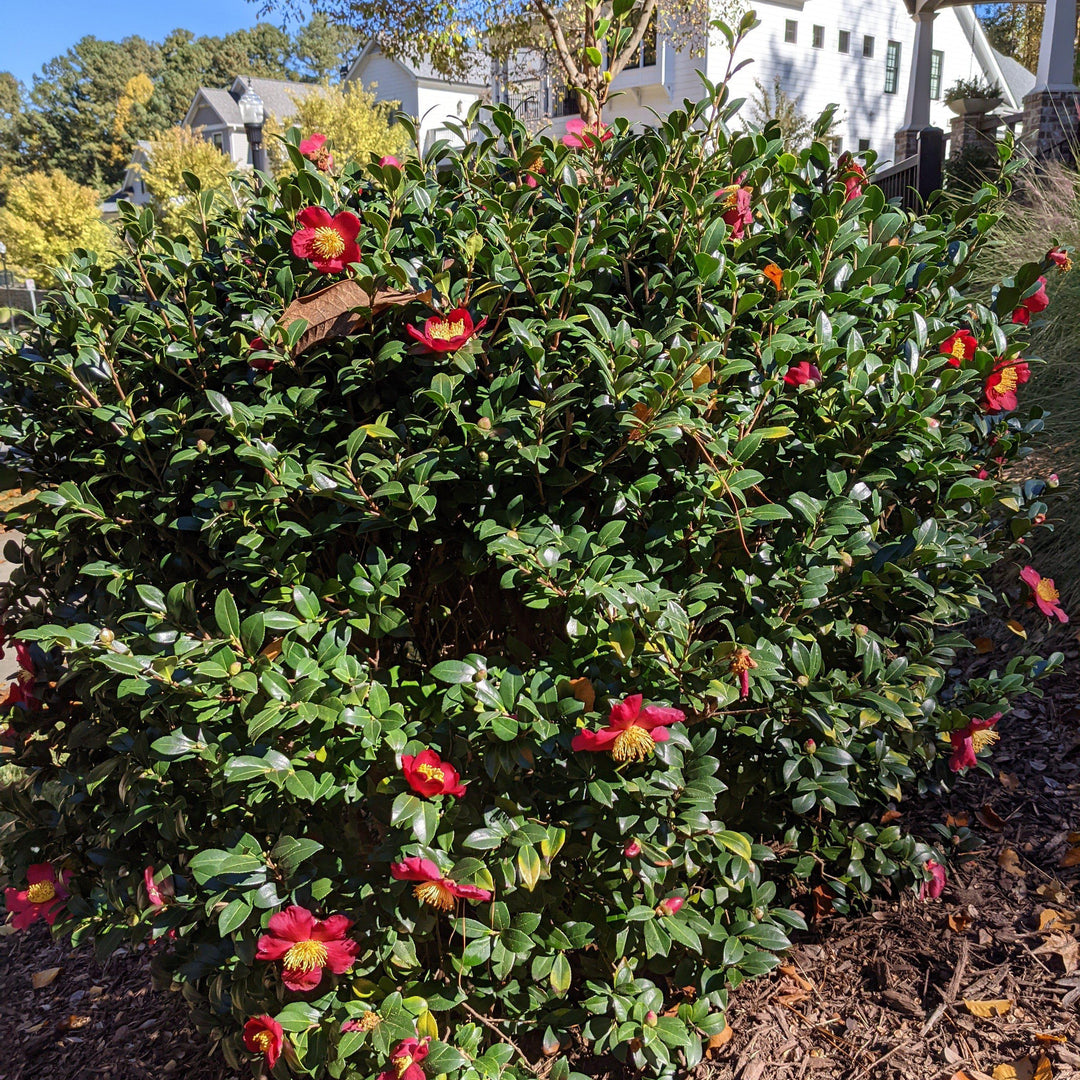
<point x="340" y="310"/>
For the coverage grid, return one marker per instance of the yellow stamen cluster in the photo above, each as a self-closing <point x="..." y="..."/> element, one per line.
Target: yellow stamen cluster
<point x="327" y="242"/>
<point x="262" y="1041"/>
<point x="435" y="894"/>
<point x="1045" y="591"/>
<point x="1065" y="265"/>
<point x="431" y="772"/>
<point x="41" y="892"/>
<point x="959" y="351"/>
<point x="401" y="1062"/>
<point x="369" y="1021"/>
<point x="1007" y="380"/>
<point x="445" y="330"/>
<point x="983" y="738"/>
<point x="633" y="744"/>
<point x="741" y="661"/>
<point x="306" y="956"/>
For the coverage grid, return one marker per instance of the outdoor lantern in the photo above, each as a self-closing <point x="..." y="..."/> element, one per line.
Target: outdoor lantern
<point x="252" y="115"/>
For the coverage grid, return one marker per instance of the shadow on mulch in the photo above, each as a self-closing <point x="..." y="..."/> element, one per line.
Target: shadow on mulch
<point x="92" y="1020"/>
<point x="877" y="997"/>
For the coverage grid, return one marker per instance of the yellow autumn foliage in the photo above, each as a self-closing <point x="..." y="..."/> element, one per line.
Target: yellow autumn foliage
<point x="46" y="216"/>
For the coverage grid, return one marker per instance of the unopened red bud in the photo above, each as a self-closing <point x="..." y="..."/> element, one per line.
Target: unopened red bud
<point x="1052" y="481"/>
<point x="810" y="746"/>
<point x="651" y="1018"/>
<point x="671" y="906"/>
<point x="632" y="850"/>
<point x="227" y="505"/>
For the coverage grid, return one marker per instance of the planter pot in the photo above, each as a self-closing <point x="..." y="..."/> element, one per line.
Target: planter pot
<point x="972" y="106"/>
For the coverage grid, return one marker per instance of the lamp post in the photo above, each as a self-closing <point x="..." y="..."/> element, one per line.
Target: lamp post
<point x="252" y="115"/>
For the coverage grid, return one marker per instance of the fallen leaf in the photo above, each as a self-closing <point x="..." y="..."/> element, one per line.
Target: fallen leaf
<point x="890" y="815"/>
<point x="1045" y="1037"/>
<point x="340" y="310"/>
<point x="957" y="821"/>
<point x="984" y="645"/>
<point x="1070" y="858"/>
<point x="997" y="1007"/>
<point x="961" y="1075"/>
<point x="43" y="978"/>
<point x="721" y="1038"/>
<point x="1009" y="861"/>
<point x="959" y="922"/>
<point x="1009" y="782"/>
<point x="1020" y="1069"/>
<point x="989" y="818"/>
<point x="823" y="903"/>
<point x="792" y="973"/>
<point x="1055" y="892"/>
<point x="1043" y="1071"/>
<point x="1050" y="919"/>
<point x="1017" y="628"/>
<point x="585" y="693"/>
<point x="1065" y="947"/>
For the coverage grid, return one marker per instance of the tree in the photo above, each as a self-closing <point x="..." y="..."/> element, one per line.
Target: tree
<point x="176" y="151"/>
<point x="356" y="124"/>
<point x="47" y="217"/>
<point x="322" y="48"/>
<point x="11" y="107"/>
<point x="1016" y="30"/>
<point x="591" y="43"/>
<point x="780" y="107"/>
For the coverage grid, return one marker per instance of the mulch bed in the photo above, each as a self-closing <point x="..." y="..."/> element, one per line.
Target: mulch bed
<point x="877" y="997"/>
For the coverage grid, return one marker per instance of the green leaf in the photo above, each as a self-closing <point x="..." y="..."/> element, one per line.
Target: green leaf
<point x="226" y="615"/>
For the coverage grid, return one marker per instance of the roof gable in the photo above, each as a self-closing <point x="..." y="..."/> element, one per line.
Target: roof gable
<point x="478" y="75"/>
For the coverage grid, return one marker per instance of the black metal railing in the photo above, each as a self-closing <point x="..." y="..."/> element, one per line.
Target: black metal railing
<point x="525" y="106"/>
<point x="565" y="103"/>
<point x="915" y="179"/>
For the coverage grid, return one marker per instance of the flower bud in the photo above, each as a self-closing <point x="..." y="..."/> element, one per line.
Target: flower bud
<point x="861" y="630"/>
<point x="651" y="1018"/>
<point x="201" y="446"/>
<point x="632" y="850"/>
<point x="227" y="505"/>
<point x="235" y="668"/>
<point x="106" y="636"/>
<point x="671" y="906"/>
<point x="810" y="746"/>
<point x="484" y="424"/>
<point x="1052" y="481"/>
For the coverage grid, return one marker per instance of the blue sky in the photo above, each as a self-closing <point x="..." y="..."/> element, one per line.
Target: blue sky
<point x="34" y="31"/>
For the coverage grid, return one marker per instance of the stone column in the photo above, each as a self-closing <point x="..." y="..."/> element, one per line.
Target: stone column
<point x="1050" y="117"/>
<point x="917" y="115"/>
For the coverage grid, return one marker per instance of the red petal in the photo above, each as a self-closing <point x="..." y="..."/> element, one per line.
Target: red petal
<point x="315" y="217"/>
<point x="658" y="715"/>
<point x="603" y="739"/>
<point x="333" y="928"/>
<point x="625" y="712"/>
<point x="301" y="242"/>
<point x="348" y="225"/>
<point x="341" y="955"/>
<point x="301" y="980"/>
<point x="293" y="924"/>
<point x="415" y="869"/>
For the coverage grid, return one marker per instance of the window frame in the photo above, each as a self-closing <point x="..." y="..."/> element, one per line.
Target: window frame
<point x="843" y="42"/>
<point x="791" y="31"/>
<point x="893" y="60"/>
<point x="868" y="53"/>
<point x="818" y="39"/>
<point x="937" y="70"/>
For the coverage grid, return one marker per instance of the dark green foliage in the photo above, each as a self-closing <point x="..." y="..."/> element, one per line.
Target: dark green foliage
<point x="260" y="589"/>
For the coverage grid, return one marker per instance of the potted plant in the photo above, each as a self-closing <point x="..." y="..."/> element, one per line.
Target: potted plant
<point x="967" y="96"/>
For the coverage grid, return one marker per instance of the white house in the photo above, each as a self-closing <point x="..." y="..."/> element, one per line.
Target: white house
<point x="215" y="114"/>
<point x="422" y="92"/>
<point x="857" y="54"/>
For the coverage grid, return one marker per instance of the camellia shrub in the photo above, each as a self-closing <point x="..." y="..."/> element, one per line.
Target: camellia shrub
<point x="476" y="609"/>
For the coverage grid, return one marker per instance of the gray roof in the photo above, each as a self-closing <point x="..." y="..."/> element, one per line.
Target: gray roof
<point x="477" y="72"/>
<point x="1020" y="80"/>
<point x="278" y="95"/>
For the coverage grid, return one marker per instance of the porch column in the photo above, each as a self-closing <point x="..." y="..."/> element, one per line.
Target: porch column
<point x="1050" y="119"/>
<point x="917" y="115"/>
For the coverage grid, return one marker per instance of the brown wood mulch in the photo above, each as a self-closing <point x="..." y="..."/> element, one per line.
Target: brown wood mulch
<point x="875" y="997"/>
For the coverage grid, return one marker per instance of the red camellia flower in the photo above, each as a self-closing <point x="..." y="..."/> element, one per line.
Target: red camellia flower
<point x="21" y="690"/>
<point x="314" y="149"/>
<point x="803" y="374"/>
<point x="632" y="850"/>
<point x="1044" y="593"/>
<point x="405" y="1060"/>
<point x="968" y="741"/>
<point x="158" y="893"/>
<point x="671" y="906"/>
<point x="1032" y="305"/>
<point x="434" y="889"/>
<point x="853" y="175"/>
<point x="43" y="897"/>
<point x="741" y="664"/>
<point x="428" y="775"/>
<point x="263" y="1035"/>
<point x="960" y="347"/>
<point x="579" y="134"/>
<point x="738" y="212"/>
<point x="260" y="363"/>
<point x="1003" y="383"/>
<point x="387" y="160"/>
<point x="1060" y="258"/>
<point x="447" y="333"/>
<point x="632" y="732"/>
<point x="306" y="945"/>
<point x="329" y="242"/>
<point x="933" y="888"/>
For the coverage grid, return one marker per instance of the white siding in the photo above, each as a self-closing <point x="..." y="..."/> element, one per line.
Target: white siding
<point x="437" y="105"/>
<point x="393" y="82"/>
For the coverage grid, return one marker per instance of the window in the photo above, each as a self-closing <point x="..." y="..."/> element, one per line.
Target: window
<point x="844" y="43"/>
<point x="647" y="51"/>
<point x="937" y="62"/>
<point x="868" y="47"/>
<point x="819" y="37"/>
<point x="892" y="68"/>
<point x="791" y="31"/>
<point x="218" y="141"/>
<point x="864" y="144"/>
